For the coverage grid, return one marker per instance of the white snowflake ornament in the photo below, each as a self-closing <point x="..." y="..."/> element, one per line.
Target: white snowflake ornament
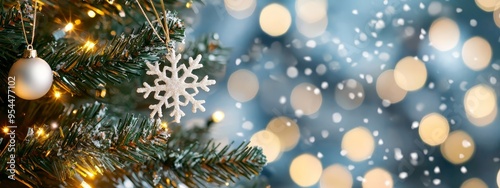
<point x="175" y="86"/>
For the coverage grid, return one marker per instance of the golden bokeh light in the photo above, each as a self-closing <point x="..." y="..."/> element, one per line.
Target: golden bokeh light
<point x="243" y="92"/>
<point x="305" y="170"/>
<point x="306" y="98"/>
<point x="57" y="94"/>
<point x="311" y="11"/>
<point x="68" y="27"/>
<point x="312" y="30"/>
<point x="218" y="116"/>
<point x="458" y="147"/>
<point x="358" y="144"/>
<point x="388" y="89"/>
<point x="240" y="9"/>
<point x="488" y="5"/>
<point x="89" y="45"/>
<point x="410" y="74"/>
<point x="377" y="178"/>
<point x="433" y="129"/>
<point x="5" y="129"/>
<point x="476" y="53"/>
<point x="287" y="131"/>
<point x="275" y="19"/>
<point x="91" y="13"/>
<point x="444" y="34"/>
<point x="474" y="183"/>
<point x="496" y="17"/>
<point x="336" y="176"/>
<point x="269" y="142"/>
<point x="480" y="103"/>
<point x="349" y="94"/>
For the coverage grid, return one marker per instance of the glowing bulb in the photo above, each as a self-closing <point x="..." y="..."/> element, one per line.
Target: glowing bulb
<point x="164" y="125"/>
<point x="54" y="125"/>
<point x="91" y="13"/>
<point x="68" y="27"/>
<point x="89" y="45"/>
<point x="85" y="185"/>
<point x="78" y="22"/>
<point x="57" y="94"/>
<point x="40" y="132"/>
<point x="218" y="116"/>
<point x="189" y="4"/>
<point x="5" y="129"/>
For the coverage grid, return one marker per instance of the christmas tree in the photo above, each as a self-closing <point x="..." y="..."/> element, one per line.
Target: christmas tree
<point x="109" y="61"/>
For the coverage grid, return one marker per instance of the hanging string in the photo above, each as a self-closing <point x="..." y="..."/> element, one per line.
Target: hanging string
<point x="164" y="26"/>
<point x="30" y="44"/>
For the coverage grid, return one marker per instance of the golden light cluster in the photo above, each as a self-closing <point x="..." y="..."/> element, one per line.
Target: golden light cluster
<point x="243" y="92"/>
<point x="281" y="134"/>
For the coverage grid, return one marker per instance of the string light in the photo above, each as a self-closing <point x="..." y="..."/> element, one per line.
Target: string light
<point x="40" y="132"/>
<point x="85" y="185"/>
<point x="89" y="45"/>
<point x="5" y="129"/>
<point x="189" y="4"/>
<point x="218" y="116"/>
<point x="57" y="94"/>
<point x="68" y="27"/>
<point x="54" y="125"/>
<point x="91" y="13"/>
<point x="164" y="125"/>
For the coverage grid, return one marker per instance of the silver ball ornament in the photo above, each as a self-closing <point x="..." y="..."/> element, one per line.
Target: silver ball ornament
<point x="33" y="76"/>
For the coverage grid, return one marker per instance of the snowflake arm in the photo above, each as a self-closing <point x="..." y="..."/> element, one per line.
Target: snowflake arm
<point x="175" y="86"/>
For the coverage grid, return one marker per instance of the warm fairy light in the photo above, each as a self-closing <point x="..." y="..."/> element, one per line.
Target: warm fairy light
<point x="243" y="92"/>
<point x="410" y="74"/>
<point x="474" y="183"/>
<point x="5" y="129"/>
<point x="164" y="125"/>
<point x="57" y="94"/>
<point x="40" y="132"/>
<point x="377" y="178"/>
<point x="305" y="170"/>
<point x="89" y="45"/>
<point x="488" y="5"/>
<point x="90" y="175"/>
<point x="218" y="116"/>
<point x="275" y="19"/>
<point x="306" y="98"/>
<point x="336" y="176"/>
<point x="388" y="89"/>
<point x="68" y="27"/>
<point x="85" y="185"/>
<point x="458" y="147"/>
<point x="75" y="111"/>
<point x="91" y="13"/>
<point x="444" y="34"/>
<point x="240" y="9"/>
<point x="54" y="125"/>
<point x="477" y="53"/>
<point x="287" y="131"/>
<point x="358" y="144"/>
<point x="78" y="22"/>
<point x="189" y="4"/>
<point x="433" y="129"/>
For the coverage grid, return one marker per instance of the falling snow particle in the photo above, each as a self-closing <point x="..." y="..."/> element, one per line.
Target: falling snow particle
<point x="463" y="170"/>
<point x="337" y="117"/>
<point x="406" y="7"/>
<point x="320" y="155"/>
<point x="355" y="12"/>
<point x="324" y="85"/>
<point x="442" y="107"/>
<point x="282" y="100"/>
<point x="311" y="44"/>
<point x="312" y="139"/>
<point x="437" y="170"/>
<point x="238" y="105"/>
<point x="466" y="143"/>
<point x="379" y="110"/>
<point x="436" y="181"/>
<point x="403" y="175"/>
<point x="350" y="167"/>
<point x="414" y="125"/>
<point x="247" y="125"/>
<point x="397" y="154"/>
<point x="324" y="133"/>
<point x="493" y="80"/>
<point x="292" y="72"/>
<point x="473" y="23"/>
<point x="459" y="10"/>
<point x="307" y="58"/>
<point x="343" y="152"/>
<point x="431" y="158"/>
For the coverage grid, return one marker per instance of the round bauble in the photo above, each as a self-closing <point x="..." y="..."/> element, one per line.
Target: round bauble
<point x="32" y="75"/>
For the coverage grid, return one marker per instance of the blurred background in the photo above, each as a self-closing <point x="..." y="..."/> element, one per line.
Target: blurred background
<point x="378" y="93"/>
